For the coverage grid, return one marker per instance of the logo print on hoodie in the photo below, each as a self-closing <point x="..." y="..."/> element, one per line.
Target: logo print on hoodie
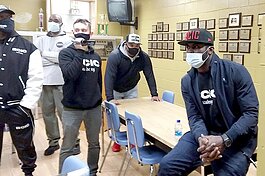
<point x="90" y="65"/>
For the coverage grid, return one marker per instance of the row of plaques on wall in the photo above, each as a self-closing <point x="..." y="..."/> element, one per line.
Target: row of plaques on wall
<point x="161" y="54"/>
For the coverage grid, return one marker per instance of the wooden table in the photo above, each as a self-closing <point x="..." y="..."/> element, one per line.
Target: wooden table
<point x="158" y="119"/>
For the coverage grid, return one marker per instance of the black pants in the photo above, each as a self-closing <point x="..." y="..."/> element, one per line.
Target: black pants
<point x="21" y="125"/>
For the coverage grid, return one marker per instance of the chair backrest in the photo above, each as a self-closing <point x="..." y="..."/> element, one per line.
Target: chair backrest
<point x="135" y="131"/>
<point x="112" y="118"/>
<point x="168" y="96"/>
<point x="72" y="163"/>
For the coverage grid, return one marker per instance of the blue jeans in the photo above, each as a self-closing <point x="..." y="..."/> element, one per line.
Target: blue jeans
<point x="184" y="158"/>
<point x="71" y="123"/>
<point x="133" y="93"/>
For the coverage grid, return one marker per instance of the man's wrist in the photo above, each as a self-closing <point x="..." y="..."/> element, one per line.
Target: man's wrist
<point x="226" y="140"/>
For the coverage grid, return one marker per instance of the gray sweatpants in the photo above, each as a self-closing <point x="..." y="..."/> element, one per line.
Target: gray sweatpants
<point x="50" y="101"/>
<point x="71" y="123"/>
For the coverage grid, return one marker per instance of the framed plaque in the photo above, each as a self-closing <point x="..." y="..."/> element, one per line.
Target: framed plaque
<point x="154" y="37"/>
<point x="223" y="35"/>
<point x="182" y="47"/>
<point x="165" y="36"/>
<point x="179" y="36"/>
<point x="245" y="34"/>
<point x="160" y="37"/>
<point x="150" y="37"/>
<point x="233" y="47"/>
<point x="244" y="47"/>
<point x="247" y="21"/>
<point x="202" y="24"/>
<point x="160" y="26"/>
<point x="194" y="22"/>
<point x="260" y="16"/>
<point x="228" y="56"/>
<point x="149" y="45"/>
<point x="159" y="45"/>
<point x="185" y="26"/>
<point x="170" y="55"/>
<point x="150" y="53"/>
<point x="259" y="34"/>
<point x="238" y="58"/>
<point x="154" y="53"/>
<point x="154" y="28"/>
<point x="234" y="20"/>
<point x="210" y="24"/>
<point x="213" y="34"/>
<point x="223" y="23"/>
<point x="165" y="54"/>
<point x="222" y="46"/>
<point x="233" y="34"/>
<point x="165" y="46"/>
<point x="159" y="54"/>
<point x="171" y="36"/>
<point x="166" y="27"/>
<point x="259" y="43"/>
<point x="184" y="35"/>
<point x="179" y="26"/>
<point x="154" y="45"/>
<point x="184" y="56"/>
<point x="170" y="45"/>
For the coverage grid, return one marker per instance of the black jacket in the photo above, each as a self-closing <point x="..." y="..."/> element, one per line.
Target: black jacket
<point x="122" y="74"/>
<point x="83" y="79"/>
<point x="236" y="98"/>
<point x="17" y="79"/>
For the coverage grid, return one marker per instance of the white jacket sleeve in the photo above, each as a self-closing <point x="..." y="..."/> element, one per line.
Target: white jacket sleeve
<point x="35" y="80"/>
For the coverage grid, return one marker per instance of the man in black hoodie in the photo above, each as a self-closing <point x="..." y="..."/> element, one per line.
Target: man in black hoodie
<point x="81" y="68"/>
<point x="123" y="73"/>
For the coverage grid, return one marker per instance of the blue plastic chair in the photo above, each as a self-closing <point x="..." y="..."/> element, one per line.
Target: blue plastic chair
<point x="145" y="154"/>
<point x="72" y="164"/>
<point x="168" y="96"/>
<point x="120" y="137"/>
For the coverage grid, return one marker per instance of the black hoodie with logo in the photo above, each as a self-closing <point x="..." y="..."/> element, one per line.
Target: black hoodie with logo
<point x="83" y="79"/>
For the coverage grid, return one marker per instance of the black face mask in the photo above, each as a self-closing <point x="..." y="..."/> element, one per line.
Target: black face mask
<point x="132" y="51"/>
<point x="82" y="35"/>
<point x="7" y="25"/>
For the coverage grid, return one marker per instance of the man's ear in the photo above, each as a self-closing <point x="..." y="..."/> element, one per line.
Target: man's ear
<point x="210" y="50"/>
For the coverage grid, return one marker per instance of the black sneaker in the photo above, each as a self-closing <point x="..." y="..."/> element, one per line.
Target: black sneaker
<point x="51" y="149"/>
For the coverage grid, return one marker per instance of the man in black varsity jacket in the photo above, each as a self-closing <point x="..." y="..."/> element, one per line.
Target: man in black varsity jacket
<point x="21" y="78"/>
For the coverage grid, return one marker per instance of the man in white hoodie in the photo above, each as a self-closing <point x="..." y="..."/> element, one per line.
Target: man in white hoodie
<point x="50" y="45"/>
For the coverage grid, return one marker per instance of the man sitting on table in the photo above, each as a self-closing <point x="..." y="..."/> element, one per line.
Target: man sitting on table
<point x="222" y="108"/>
<point x="123" y="73"/>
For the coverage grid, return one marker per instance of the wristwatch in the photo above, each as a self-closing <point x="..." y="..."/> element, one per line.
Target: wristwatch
<point x="227" y="140"/>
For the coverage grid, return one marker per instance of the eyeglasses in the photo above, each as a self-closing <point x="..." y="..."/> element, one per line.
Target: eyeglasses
<point x="133" y="45"/>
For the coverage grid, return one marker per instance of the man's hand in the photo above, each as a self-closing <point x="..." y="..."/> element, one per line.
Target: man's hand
<point x="116" y="102"/>
<point x="210" y="148"/>
<point x="155" y="98"/>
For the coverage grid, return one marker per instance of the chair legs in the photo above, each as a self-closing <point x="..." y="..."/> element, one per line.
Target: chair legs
<point x="123" y="161"/>
<point x="151" y="169"/>
<point x="127" y="166"/>
<point x="105" y="156"/>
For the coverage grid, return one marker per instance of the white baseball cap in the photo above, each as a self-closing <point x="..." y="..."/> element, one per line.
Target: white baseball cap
<point x="133" y="38"/>
<point x="5" y="9"/>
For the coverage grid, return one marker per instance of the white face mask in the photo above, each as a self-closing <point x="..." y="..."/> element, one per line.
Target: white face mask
<point x="53" y="27"/>
<point x="195" y="59"/>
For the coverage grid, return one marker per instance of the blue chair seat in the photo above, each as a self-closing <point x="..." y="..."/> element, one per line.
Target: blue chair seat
<point x="121" y="138"/>
<point x="149" y="154"/>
